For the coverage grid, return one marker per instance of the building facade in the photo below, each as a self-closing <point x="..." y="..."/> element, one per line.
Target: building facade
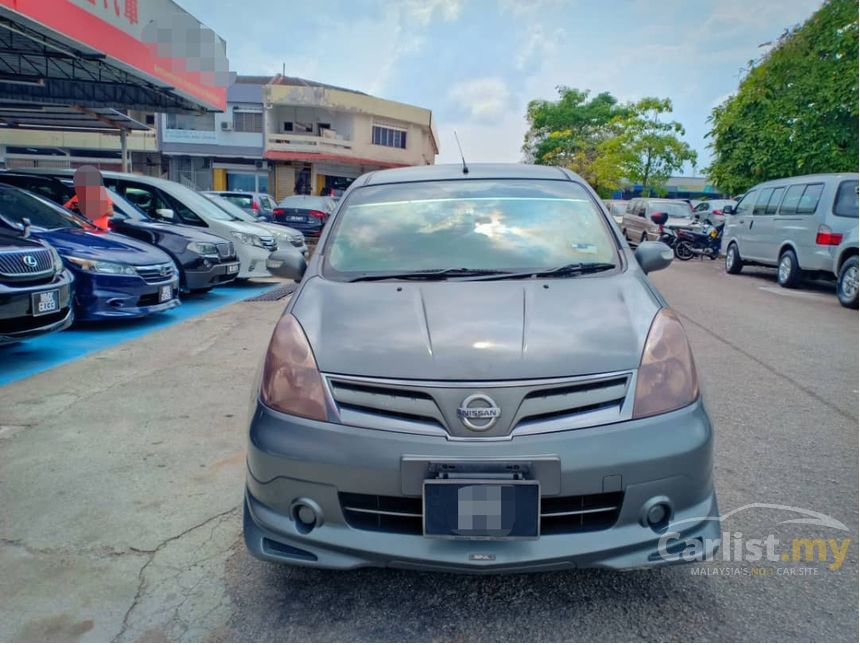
<point x="319" y="138"/>
<point x="287" y="135"/>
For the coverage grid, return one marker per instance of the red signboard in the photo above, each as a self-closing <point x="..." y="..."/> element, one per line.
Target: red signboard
<point x="147" y="37"/>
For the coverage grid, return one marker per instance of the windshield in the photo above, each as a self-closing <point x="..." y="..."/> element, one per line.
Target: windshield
<point x="124" y="208"/>
<point x="198" y="203"/>
<point x="510" y="225"/>
<point x="16" y="204"/>
<point x="230" y="208"/>
<point x="672" y="209"/>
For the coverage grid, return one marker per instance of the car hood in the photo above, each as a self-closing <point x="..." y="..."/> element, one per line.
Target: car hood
<point x="111" y="247"/>
<point x="226" y="226"/>
<point x="189" y="233"/>
<point x="494" y="330"/>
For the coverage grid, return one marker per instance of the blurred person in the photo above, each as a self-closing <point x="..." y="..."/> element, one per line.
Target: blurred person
<point x="91" y="199"/>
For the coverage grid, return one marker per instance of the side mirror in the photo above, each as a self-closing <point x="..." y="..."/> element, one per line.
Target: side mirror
<point x="728" y="209"/>
<point x="25" y="227"/>
<point x="653" y="256"/>
<point x="287" y="263"/>
<point x="660" y="218"/>
<point x="164" y="213"/>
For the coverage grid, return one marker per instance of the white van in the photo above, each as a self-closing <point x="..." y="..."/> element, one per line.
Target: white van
<point x="794" y="224"/>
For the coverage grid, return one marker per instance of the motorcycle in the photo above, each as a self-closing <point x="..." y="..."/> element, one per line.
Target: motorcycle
<point x="664" y="235"/>
<point x="691" y="244"/>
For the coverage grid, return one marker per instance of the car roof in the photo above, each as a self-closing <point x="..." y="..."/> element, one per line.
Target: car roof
<point x="838" y="176"/>
<point x="442" y="172"/>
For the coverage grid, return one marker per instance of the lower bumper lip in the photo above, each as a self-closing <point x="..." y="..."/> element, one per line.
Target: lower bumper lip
<point x="667" y="457"/>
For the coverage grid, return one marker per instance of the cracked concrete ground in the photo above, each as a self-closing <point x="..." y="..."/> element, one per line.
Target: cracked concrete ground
<point x="121" y="478"/>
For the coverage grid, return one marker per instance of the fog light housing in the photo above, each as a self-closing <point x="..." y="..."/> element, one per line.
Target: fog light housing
<point x="656" y="513"/>
<point x="306" y="514"/>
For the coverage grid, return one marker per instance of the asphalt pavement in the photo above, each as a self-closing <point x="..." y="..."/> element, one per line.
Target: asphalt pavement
<point x="121" y="478"/>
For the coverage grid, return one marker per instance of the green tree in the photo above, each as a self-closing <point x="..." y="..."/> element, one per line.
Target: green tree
<point x="649" y="148"/>
<point x="572" y="131"/>
<point x="796" y="110"/>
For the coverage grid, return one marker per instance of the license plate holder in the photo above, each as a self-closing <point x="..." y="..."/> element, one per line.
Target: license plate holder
<point x="45" y="302"/>
<point x="481" y="509"/>
<point x="232" y="268"/>
<point x="165" y="293"/>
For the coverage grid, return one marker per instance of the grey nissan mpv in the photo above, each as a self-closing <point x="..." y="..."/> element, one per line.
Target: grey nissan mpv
<point x="476" y="375"/>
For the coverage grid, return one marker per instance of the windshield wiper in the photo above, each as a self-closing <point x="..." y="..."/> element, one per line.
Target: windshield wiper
<point x="430" y="274"/>
<point x="577" y="268"/>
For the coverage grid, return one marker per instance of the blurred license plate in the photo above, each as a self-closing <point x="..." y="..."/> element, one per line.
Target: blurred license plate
<point x="482" y="509"/>
<point x="45" y="302"/>
<point x="295" y="218"/>
<point x="232" y="268"/>
<point x="165" y="293"/>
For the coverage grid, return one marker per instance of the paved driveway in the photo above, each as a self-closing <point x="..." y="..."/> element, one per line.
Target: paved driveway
<point x="121" y="479"/>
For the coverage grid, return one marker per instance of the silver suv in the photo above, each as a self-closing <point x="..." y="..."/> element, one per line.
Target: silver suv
<point x="795" y="224"/>
<point x="475" y="374"/>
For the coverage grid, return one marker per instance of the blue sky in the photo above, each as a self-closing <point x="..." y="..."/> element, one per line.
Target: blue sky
<point x="477" y="63"/>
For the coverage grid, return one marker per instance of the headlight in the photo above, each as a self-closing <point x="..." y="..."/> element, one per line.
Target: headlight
<point x="667" y="374"/>
<point x="291" y="380"/>
<point x="57" y="260"/>
<point x="100" y="266"/>
<point x="202" y="248"/>
<point x="248" y="238"/>
<point x="283" y="237"/>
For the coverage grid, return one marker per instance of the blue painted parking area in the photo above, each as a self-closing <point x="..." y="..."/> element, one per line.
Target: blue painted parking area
<point x="45" y="352"/>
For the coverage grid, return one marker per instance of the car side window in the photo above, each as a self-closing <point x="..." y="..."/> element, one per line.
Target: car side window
<point x="773" y="202"/>
<point x="745" y="206"/>
<point x="762" y="201"/>
<point x="809" y="200"/>
<point x="846" y="202"/>
<point x="792" y="197"/>
<point x="643" y="207"/>
<point x="702" y="207"/>
<point x="180" y="210"/>
<point x="631" y="207"/>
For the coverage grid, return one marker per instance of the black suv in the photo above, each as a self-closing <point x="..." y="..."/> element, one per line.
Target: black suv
<point x="204" y="260"/>
<point x="35" y="290"/>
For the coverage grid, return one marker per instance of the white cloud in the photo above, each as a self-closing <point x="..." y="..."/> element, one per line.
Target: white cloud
<point x="537" y="45"/>
<point x="499" y="141"/>
<point x="422" y="11"/>
<point x="483" y="98"/>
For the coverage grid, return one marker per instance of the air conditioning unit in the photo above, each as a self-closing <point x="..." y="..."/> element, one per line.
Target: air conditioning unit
<point x="226" y="126"/>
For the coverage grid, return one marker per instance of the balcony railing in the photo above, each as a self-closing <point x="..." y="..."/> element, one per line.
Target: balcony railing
<point x="289" y="142"/>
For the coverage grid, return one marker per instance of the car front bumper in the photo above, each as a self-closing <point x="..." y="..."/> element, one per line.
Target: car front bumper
<point x="17" y="321"/>
<point x="109" y="297"/>
<point x="252" y="261"/>
<point x="666" y="458"/>
<point x="213" y="276"/>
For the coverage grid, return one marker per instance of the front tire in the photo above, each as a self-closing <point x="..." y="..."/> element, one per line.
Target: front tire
<point x="683" y="251"/>
<point x="734" y="264"/>
<point x="789" y="273"/>
<point x="846" y="287"/>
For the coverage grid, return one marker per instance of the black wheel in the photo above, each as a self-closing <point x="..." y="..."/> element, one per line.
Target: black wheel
<point x="734" y="264"/>
<point x="683" y="251"/>
<point x="846" y="288"/>
<point x="788" y="273"/>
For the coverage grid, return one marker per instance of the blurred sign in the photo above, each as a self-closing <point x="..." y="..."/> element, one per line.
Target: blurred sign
<point x="154" y="39"/>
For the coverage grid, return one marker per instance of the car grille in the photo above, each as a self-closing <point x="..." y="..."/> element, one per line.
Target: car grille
<point x="156" y="272"/>
<point x="226" y="250"/>
<point x="528" y="407"/>
<point x="26" y="265"/>
<point x="558" y="515"/>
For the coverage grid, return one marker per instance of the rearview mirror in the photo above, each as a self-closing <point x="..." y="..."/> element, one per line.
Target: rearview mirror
<point x="728" y="209"/>
<point x="653" y="256"/>
<point x="287" y="263"/>
<point x="164" y="213"/>
<point x="660" y="218"/>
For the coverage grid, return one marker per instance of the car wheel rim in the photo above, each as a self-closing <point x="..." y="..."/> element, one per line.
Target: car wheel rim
<point x="784" y="268"/>
<point x="730" y="258"/>
<point x="849" y="283"/>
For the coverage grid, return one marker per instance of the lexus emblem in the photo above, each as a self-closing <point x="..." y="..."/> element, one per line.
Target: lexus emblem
<point x="478" y="412"/>
<point x="30" y="261"/>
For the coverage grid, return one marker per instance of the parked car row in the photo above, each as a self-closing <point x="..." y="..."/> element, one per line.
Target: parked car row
<point x="164" y="239"/>
<point x="805" y="226"/>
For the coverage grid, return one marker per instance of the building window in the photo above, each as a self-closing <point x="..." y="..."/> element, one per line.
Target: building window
<point x="205" y="122"/>
<point x="288" y="126"/>
<point x="389" y="137"/>
<point x="247" y="121"/>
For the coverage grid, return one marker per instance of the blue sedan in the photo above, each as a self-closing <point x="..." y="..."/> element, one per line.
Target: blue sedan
<point x="115" y="276"/>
